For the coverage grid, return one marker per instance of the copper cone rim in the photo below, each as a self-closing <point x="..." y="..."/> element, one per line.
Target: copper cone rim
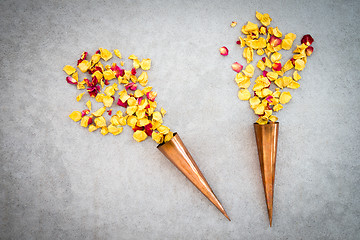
<point x="266" y="141"/>
<point x="176" y="152"/>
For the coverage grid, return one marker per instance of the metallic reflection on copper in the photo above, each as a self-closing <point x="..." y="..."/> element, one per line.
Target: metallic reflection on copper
<point x="177" y="153"/>
<point x="266" y="140"/>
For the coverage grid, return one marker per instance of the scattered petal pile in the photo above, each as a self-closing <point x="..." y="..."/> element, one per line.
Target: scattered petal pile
<point x="139" y="104"/>
<point x="265" y="101"/>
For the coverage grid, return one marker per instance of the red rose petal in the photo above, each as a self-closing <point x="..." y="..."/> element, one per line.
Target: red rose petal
<point x="274" y="41"/>
<point x="121" y="103"/>
<point x="277" y="66"/>
<point x="237" y="67"/>
<point x="309" y="50"/>
<point x="224" y="51"/>
<point x="307" y="39"/>
<point x="71" y="80"/>
<point x="151" y="95"/>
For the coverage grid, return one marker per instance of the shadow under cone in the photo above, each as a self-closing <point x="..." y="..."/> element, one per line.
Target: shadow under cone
<point x="177" y="153"/>
<point x="266" y="140"/>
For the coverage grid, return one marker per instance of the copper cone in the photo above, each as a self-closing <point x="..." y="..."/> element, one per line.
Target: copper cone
<point x="266" y="140"/>
<point x="177" y="153"/>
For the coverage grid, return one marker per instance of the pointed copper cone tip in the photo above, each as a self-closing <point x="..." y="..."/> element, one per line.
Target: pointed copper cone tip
<point x="266" y="140"/>
<point x="177" y="153"/>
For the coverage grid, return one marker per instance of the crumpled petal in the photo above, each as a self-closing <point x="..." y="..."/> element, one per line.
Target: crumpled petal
<point x="139" y="136"/>
<point x="285" y="97"/>
<point x="75" y="116"/>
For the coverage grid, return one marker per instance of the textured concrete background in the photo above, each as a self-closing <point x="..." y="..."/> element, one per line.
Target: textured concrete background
<point x="58" y="181"/>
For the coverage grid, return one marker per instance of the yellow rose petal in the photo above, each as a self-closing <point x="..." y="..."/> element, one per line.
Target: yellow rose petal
<point x="105" y="54"/>
<point x="108" y="101"/>
<point x="85" y="121"/>
<point x="92" y="128"/>
<point x="131" y="121"/>
<point x="131" y="110"/>
<point x="157" y="117"/>
<point x="78" y="98"/>
<point x="104" y="130"/>
<point x="75" y="116"/>
<point x="99" y="112"/>
<point x="145" y="64"/>
<point x="69" y="69"/>
<point x="115" y="130"/>
<point x="163" y="129"/>
<point x="143" y="79"/>
<point x="88" y="104"/>
<point x="262" y="120"/>
<point x="244" y="94"/>
<point x="84" y="66"/>
<point x="249" y="71"/>
<point x="157" y="137"/>
<point x="277" y="107"/>
<point x="132" y="57"/>
<point x="109" y="74"/>
<point x="299" y="64"/>
<point x="162" y="111"/>
<point x="168" y="136"/>
<point x="117" y="53"/>
<point x="99" y="97"/>
<point x="139" y="136"/>
<point x="296" y="76"/>
<point x="285" y="97"/>
<point x="100" y="122"/>
<point x="293" y="85"/>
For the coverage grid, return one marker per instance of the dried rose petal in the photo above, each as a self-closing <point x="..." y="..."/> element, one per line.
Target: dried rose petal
<point x="269" y="98"/>
<point x="148" y="130"/>
<point x="106" y="82"/>
<point x="224" y="51"/>
<point x="309" y="50"/>
<point x="82" y="58"/>
<point x="133" y="71"/>
<point x="139" y="100"/>
<point x="90" y="121"/>
<point x="151" y="95"/>
<point x="307" y="39"/>
<point x="137" y="128"/>
<point x="274" y="41"/>
<point x="131" y="85"/>
<point x="263" y="30"/>
<point x="85" y="112"/>
<point x="237" y="67"/>
<point x="94" y="81"/>
<point x="93" y="91"/>
<point x="277" y="66"/>
<point x="71" y="80"/>
<point x="238" y="42"/>
<point x="264" y="73"/>
<point x="116" y="69"/>
<point x="109" y="112"/>
<point x="121" y="103"/>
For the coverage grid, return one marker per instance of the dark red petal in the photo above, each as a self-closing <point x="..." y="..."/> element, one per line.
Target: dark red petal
<point x="307" y="39"/>
<point x="309" y="50"/>
<point x="133" y="71"/>
<point x="90" y="121"/>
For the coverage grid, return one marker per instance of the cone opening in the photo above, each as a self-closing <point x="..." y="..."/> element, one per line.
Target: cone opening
<point x="267" y="124"/>
<point x="175" y="133"/>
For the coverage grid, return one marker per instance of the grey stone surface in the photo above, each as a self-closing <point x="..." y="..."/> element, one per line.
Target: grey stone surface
<point x="58" y="181"/>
